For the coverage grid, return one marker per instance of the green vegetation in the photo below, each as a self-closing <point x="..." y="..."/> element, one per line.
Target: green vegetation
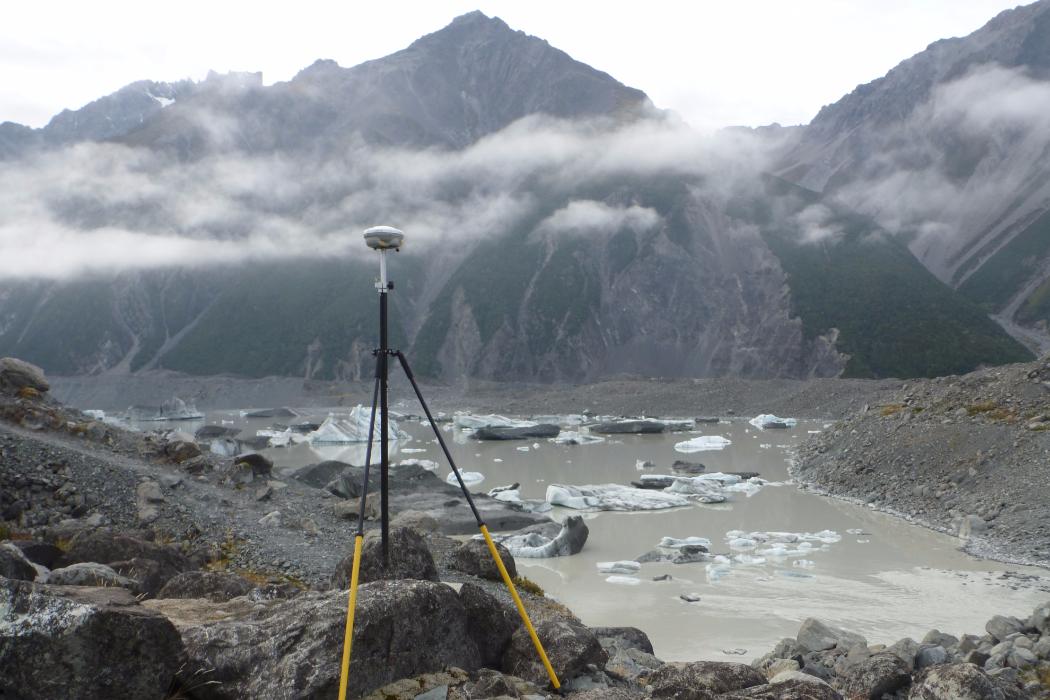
<point x="1003" y="275"/>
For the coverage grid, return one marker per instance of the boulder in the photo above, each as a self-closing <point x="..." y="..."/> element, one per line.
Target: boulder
<point x="40" y="553"/>
<point x="14" y="564"/>
<point x="699" y="680"/>
<point x="291" y="649"/>
<point x="473" y="557"/>
<point x="182" y="450"/>
<point x="490" y="622"/>
<point x="415" y="519"/>
<point x="1001" y="627"/>
<point x="1040" y="619"/>
<point x="814" y="635"/>
<point x="870" y="679"/>
<point x="952" y="682"/>
<point x="628" y="637"/>
<point x="216" y="586"/>
<point x="798" y="686"/>
<point x="540" y="431"/>
<point x="214" y="432"/>
<point x="409" y="558"/>
<point x="571" y="647"/>
<point x="89" y="574"/>
<point x="930" y="655"/>
<point x="320" y="473"/>
<point x="84" y="643"/>
<point x="247" y="468"/>
<point x="16" y="375"/>
<point x="149" y="575"/>
<point x="105" y="547"/>
<point x="906" y="650"/>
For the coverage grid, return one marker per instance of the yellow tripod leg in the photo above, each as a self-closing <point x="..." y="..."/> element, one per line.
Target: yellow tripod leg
<point x="521" y="607"/>
<point x="348" y="636"/>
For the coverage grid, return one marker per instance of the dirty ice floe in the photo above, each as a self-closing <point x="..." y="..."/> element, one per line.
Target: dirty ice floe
<point x="568" y="419"/>
<point x="611" y="497"/>
<point x="703" y="444"/>
<point x="354" y="428"/>
<point x="467" y="421"/>
<point x="576" y="438"/>
<point x="767" y="421"/>
<point x="678" y="543"/>
<point x="469" y="478"/>
<point x="619" y="567"/>
<point x="281" y="438"/>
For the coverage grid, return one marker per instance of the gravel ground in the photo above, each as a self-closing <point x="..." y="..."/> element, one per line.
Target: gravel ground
<point x="968" y="455"/>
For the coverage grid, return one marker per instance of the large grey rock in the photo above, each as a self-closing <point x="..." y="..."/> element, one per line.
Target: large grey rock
<point x="814" y="635"/>
<point x="321" y="473"/>
<point x="490" y="622"/>
<point x="541" y="431"/>
<point x="16" y="375"/>
<point x="906" y="650"/>
<point x="874" y="677"/>
<point x="88" y="574"/>
<point x="952" y="682"/>
<point x="409" y="557"/>
<point x="38" y="552"/>
<point x="473" y="557"/>
<point x="630" y="637"/>
<point x="291" y="649"/>
<point x="931" y="655"/>
<point x="83" y="643"/>
<point x="14" y="564"/>
<point x="214" y="585"/>
<point x="699" y="680"/>
<point x="795" y="688"/>
<point x="1040" y="619"/>
<point x="570" y="647"/>
<point x="1001" y="627"/>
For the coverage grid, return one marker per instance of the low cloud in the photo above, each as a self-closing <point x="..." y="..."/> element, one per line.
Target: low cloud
<point x="589" y="218"/>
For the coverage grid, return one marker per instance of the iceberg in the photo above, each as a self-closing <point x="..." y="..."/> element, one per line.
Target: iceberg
<point x="469" y="478"/>
<point x="612" y="497"/>
<point x="428" y="464"/>
<point x="354" y="428"/>
<point x="548" y="539"/>
<point x="623" y="580"/>
<point x="576" y="438"/>
<point x="618" y="567"/>
<point x="466" y="421"/>
<point x="699" y="488"/>
<point x="767" y="421"/>
<point x="677" y="543"/>
<point x="703" y="444"/>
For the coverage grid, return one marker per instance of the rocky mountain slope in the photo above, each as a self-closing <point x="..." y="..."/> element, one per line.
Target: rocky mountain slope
<point x="949" y="150"/>
<point x="966" y="454"/>
<point x="564" y="229"/>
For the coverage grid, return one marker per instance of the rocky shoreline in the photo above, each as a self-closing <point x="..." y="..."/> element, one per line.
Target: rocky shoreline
<point x="147" y="569"/>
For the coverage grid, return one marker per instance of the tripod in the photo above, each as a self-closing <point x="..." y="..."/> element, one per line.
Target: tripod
<point x="384" y="239"/>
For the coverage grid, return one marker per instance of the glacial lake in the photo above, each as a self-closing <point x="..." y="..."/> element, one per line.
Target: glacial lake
<point x="885" y="578"/>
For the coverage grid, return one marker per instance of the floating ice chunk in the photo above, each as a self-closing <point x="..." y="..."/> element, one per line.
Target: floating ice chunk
<point x="428" y="464"/>
<point x="95" y="414"/>
<point x="749" y="559"/>
<point x="412" y="450"/>
<point x="535" y="445"/>
<point x="469" y="478"/>
<point x="855" y="531"/>
<point x="618" y="567"/>
<point x="742" y="543"/>
<point x="803" y="563"/>
<point x="623" y="580"/>
<point x="281" y="438"/>
<point x="641" y="464"/>
<point x="703" y="490"/>
<point x="224" y="447"/>
<point x="703" y="443"/>
<point x="354" y="428"/>
<point x="717" y="569"/>
<point x="576" y="438"/>
<point x="523" y="448"/>
<point x="497" y="459"/>
<point x="768" y="421"/>
<point x="466" y="421"/>
<point x="569" y="419"/>
<point x="678" y="543"/>
<point x="612" y="497"/>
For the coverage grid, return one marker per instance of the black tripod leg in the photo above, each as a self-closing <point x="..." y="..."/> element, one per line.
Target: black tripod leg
<point x="484" y="529"/>
<point x="368" y="460"/>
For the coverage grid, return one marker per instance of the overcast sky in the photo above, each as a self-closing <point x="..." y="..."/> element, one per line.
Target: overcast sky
<point x="716" y="63"/>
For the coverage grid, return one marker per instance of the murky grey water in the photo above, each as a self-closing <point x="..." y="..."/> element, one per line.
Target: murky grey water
<point x="893" y="580"/>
